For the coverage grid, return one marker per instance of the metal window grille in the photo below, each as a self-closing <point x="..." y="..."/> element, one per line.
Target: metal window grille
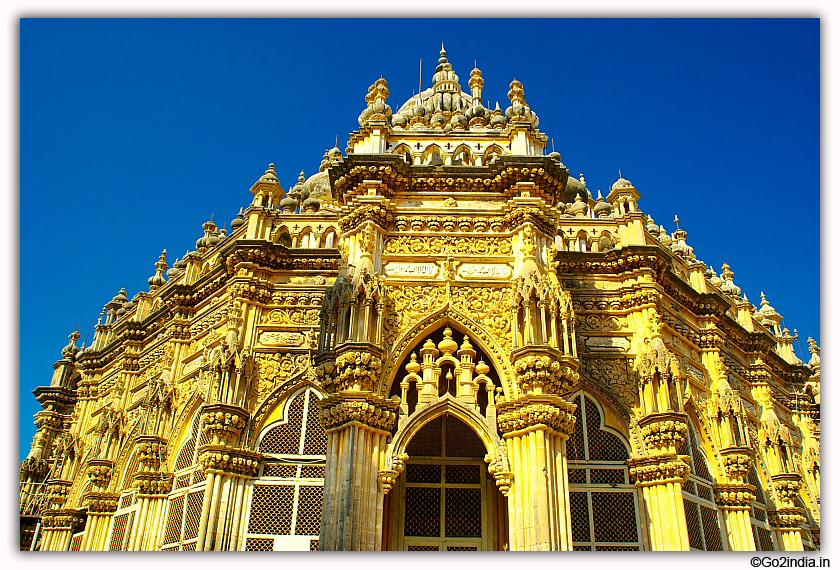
<point x="308" y="520"/>
<point x="604" y="505"/>
<point x="711" y="528"/>
<point x="121" y="530"/>
<point x="427" y="442"/>
<point x="763" y="539"/>
<point x="422" y="511"/>
<point x="292" y="505"/>
<point x="705" y="531"/>
<point x="126" y="500"/>
<point x="131" y="468"/>
<point x="422" y="547"/>
<point x="259" y="544"/>
<point x="692" y="519"/>
<point x="423" y="473"/>
<point x="174" y="518"/>
<point x="463" y="512"/>
<point x="461" y="548"/>
<point x="461" y="440"/>
<point x="314" y="545"/>
<point x="192" y="514"/>
<point x="76" y="542"/>
<point x="189" y="546"/>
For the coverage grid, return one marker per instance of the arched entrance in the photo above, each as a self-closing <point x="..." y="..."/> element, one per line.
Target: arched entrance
<point x="445" y="499"/>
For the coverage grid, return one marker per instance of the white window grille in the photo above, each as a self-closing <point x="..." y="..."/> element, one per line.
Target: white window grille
<point x="701" y="513"/>
<point x="285" y="506"/>
<point x="604" y="505"/>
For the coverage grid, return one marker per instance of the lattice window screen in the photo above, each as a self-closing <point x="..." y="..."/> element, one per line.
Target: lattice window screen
<point x="287" y="498"/>
<point x="604" y="506"/>
<point x="121" y="530"/>
<point x="76" y="542"/>
<point x="705" y="531"/>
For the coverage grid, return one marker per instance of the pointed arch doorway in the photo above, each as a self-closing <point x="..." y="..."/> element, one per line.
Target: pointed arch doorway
<point x="445" y="499"/>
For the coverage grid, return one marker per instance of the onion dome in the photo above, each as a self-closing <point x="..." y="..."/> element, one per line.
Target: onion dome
<point x="413" y="367"/>
<point x="555" y="156"/>
<point x="157" y="279"/>
<point x="459" y="122"/>
<point x="214" y="238"/>
<point x="729" y="287"/>
<point x="579" y="208"/>
<point x="519" y="110"/>
<point x="223" y="233"/>
<point x="651" y="226"/>
<point x="680" y="247"/>
<point x="70" y="351"/>
<point x="664" y="238"/>
<point x="438" y="121"/>
<point x="290" y="203"/>
<point x="334" y="153"/>
<point x="125" y="309"/>
<point x="445" y="79"/>
<point x="481" y="368"/>
<point x="238" y="221"/>
<point x="602" y="209"/>
<point x="310" y="205"/>
<point x="318" y="186"/>
<point x="497" y="118"/>
<point x="377" y="109"/>
<point x="708" y="272"/>
<point x="428" y="344"/>
<point x="208" y="240"/>
<point x="767" y="315"/>
<point x="447" y="345"/>
<point x="175" y="271"/>
<point x="399" y="120"/>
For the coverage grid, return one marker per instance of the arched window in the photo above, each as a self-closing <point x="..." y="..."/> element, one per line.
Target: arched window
<point x="492" y="153"/>
<point x="581" y="243"/>
<point x="462" y="156"/>
<point x="762" y="533"/>
<point x="285" y="509"/>
<point x="605" y="242"/>
<point x="404" y="151"/>
<point x="701" y="513"/>
<point x="604" y="505"/>
<point x="432" y="156"/>
<point x="180" y="530"/>
<point x="329" y="238"/>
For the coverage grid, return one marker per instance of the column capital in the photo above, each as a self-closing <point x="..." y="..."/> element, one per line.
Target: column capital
<point x="151" y="451"/>
<point x="655" y="470"/>
<point x="737" y="462"/>
<point x="57" y="491"/>
<point x="542" y="369"/>
<point x="100" y="503"/>
<point x="224" y="422"/>
<point x="63" y="519"/>
<point x="355" y="367"/>
<point x="536" y="410"/>
<point x="787" y="486"/>
<point x="153" y="483"/>
<point x="99" y="471"/>
<point x="664" y="432"/>
<point x="366" y="408"/>
<point x="786" y="518"/>
<point x="734" y="496"/>
<point x="220" y="457"/>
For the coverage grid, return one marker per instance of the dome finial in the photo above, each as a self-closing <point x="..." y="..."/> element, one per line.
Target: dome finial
<point x="677" y="221"/>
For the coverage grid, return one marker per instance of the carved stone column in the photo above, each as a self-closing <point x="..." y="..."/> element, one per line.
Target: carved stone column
<point x="100" y="504"/>
<point x="58" y="527"/>
<point x="787" y="519"/>
<point x="358" y="425"/>
<point x="153" y="486"/>
<point x="659" y="477"/>
<point x="734" y="497"/>
<point x="535" y="429"/>
<point x="228" y="469"/>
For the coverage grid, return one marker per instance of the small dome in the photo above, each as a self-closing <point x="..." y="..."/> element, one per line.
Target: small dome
<point x="555" y="156"/>
<point x="399" y="120"/>
<point x="310" y="205"/>
<point x="447" y="345"/>
<point x="237" y="222"/>
<point x="482" y="368"/>
<point x="438" y="121"/>
<point x="458" y="121"/>
<point x="622" y="183"/>
<point x="319" y="187"/>
<point x="664" y="238"/>
<point x="413" y="367"/>
<point x="288" y="204"/>
<point x="120" y="297"/>
<point x="602" y="209"/>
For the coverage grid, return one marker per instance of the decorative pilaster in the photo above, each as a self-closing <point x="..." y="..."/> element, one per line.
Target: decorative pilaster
<point x="358" y="425"/>
<point x="100" y="510"/>
<point x="787" y="519"/>
<point x="153" y="486"/>
<point x="734" y="497"/>
<point x="535" y="429"/>
<point x="228" y="469"/>
<point x="58" y="527"/>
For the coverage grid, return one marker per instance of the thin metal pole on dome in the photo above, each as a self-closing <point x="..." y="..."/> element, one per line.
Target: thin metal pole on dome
<point x="420" y="90"/>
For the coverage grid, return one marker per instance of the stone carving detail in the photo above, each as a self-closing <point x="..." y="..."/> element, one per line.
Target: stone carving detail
<point x="372" y="411"/>
<point x="353" y="370"/>
<point x="274" y="338"/>
<point x="447" y="245"/>
<point x="734" y="495"/>
<point x="484" y="271"/>
<point x="612" y="372"/>
<point x="273" y="369"/>
<point x="412" y="270"/>
<point x="530" y="411"/>
<point x="488" y="306"/>
<point x="299" y="316"/>
<point x="654" y="470"/>
<point x="543" y="373"/>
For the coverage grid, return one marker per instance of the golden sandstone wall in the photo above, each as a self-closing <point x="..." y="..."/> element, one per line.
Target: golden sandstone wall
<point x="441" y="341"/>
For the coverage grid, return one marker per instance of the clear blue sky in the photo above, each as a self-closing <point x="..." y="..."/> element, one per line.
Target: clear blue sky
<point x="134" y="132"/>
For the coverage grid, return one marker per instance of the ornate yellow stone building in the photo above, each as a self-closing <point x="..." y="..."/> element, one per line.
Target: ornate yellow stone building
<point x="441" y="341"/>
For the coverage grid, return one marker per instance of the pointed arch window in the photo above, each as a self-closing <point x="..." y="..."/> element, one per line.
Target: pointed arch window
<point x="701" y="512"/>
<point x="285" y="507"/>
<point x="762" y="533"/>
<point x="604" y="505"/>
